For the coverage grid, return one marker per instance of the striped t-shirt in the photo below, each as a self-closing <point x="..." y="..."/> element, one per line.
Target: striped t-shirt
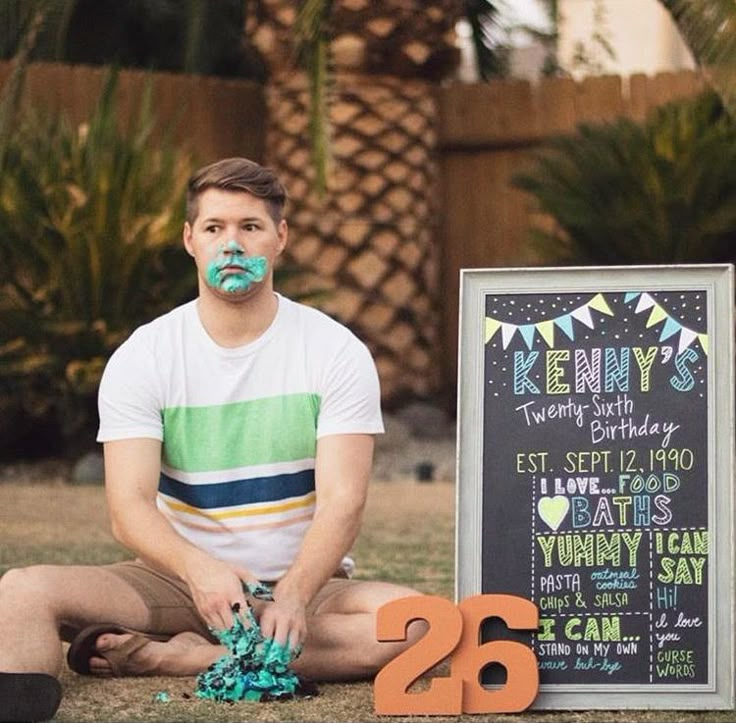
<point x="239" y="427"/>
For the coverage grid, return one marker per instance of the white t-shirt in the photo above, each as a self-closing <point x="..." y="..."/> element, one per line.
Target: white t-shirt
<point x="239" y="426"/>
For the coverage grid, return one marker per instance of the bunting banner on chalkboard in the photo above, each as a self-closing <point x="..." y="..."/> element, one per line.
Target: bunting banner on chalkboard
<point x="546" y="328"/>
<point x="658" y="314"/>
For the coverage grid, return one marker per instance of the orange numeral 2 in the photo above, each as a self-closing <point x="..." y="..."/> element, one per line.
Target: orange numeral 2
<point x="456" y="628"/>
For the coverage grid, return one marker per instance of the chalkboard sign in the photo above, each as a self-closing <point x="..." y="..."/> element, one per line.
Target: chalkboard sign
<point x="596" y="476"/>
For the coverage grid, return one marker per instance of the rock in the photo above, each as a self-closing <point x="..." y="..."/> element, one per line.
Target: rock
<point x="426" y="421"/>
<point x="89" y="469"/>
<point x="396" y="436"/>
<point x="424" y="471"/>
<point x="419" y="444"/>
<point x="413" y="458"/>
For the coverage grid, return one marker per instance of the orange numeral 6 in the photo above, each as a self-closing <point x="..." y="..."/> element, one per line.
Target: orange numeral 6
<point x="456" y="628"/>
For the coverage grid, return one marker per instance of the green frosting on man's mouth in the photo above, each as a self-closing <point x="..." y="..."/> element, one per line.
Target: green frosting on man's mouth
<point x="222" y="275"/>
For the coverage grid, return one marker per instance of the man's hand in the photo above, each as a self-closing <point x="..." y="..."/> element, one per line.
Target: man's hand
<point x="216" y="586"/>
<point x="284" y="619"/>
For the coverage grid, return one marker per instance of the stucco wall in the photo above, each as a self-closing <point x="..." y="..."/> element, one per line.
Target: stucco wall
<point x="641" y="33"/>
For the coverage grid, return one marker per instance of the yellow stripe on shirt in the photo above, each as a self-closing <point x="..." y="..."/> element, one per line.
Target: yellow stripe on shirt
<point x="306" y="501"/>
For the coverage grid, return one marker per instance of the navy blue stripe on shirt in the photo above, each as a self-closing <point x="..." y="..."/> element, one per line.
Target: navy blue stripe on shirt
<point x="239" y="492"/>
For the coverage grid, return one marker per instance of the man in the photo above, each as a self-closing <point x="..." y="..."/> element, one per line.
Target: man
<point x="238" y="441"/>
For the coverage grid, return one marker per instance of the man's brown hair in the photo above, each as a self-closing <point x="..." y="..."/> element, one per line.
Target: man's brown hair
<point x="237" y="174"/>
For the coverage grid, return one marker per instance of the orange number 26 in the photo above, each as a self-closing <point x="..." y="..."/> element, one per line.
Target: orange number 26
<point x="455" y="629"/>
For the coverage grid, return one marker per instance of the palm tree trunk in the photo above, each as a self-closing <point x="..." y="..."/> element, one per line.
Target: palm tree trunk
<point x="371" y="238"/>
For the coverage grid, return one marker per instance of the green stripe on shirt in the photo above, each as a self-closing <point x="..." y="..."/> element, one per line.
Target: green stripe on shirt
<point x="240" y="434"/>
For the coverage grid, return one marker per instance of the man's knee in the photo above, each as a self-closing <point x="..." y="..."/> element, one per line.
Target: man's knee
<point x="375" y="654"/>
<point x="385" y="593"/>
<point x="379" y="653"/>
<point x="28" y="584"/>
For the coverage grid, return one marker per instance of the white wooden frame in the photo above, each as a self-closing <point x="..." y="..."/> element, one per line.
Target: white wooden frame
<point x="717" y="281"/>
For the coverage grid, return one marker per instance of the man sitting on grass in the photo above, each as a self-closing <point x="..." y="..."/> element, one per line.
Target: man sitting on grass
<point x="238" y="442"/>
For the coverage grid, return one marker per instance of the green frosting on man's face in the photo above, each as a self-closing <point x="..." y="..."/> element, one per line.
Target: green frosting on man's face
<point x="231" y="271"/>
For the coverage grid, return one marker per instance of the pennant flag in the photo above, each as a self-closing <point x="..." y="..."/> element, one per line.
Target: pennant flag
<point x="527" y="331"/>
<point x="582" y="314"/>
<point x="491" y="328"/>
<point x="658" y="313"/>
<point x="546" y="328"/>
<point x="687" y="337"/>
<point x="670" y="327"/>
<point x="547" y="331"/>
<point x="645" y="302"/>
<point x="507" y="333"/>
<point x="599" y="303"/>
<point x="565" y="323"/>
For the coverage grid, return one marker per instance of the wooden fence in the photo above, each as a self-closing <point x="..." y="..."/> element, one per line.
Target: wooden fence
<point x="486" y="132"/>
<point x="214" y="117"/>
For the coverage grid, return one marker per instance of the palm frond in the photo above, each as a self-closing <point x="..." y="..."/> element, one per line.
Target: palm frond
<point x="11" y="95"/>
<point x="90" y="218"/>
<point x="483" y="18"/>
<point x="312" y="51"/>
<point x="709" y="29"/>
<point x="627" y="193"/>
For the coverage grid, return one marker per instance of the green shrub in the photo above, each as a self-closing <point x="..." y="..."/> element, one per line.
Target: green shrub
<point x="626" y="193"/>
<point x="90" y="229"/>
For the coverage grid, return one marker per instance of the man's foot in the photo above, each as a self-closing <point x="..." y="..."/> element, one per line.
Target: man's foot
<point x="114" y="650"/>
<point x="129" y="654"/>
<point x="28" y="697"/>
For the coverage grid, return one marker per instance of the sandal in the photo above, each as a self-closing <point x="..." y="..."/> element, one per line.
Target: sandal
<point x="84" y="647"/>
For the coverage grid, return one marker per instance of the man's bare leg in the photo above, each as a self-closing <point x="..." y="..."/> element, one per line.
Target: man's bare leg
<point x="341" y="642"/>
<point x="36" y="601"/>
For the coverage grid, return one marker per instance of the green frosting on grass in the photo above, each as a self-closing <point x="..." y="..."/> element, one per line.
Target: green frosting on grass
<point x="255" y="668"/>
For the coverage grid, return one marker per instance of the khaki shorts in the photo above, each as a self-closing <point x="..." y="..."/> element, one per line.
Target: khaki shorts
<point x="170" y="601"/>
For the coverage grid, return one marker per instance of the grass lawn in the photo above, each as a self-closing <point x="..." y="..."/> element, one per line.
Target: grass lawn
<point x="408" y="537"/>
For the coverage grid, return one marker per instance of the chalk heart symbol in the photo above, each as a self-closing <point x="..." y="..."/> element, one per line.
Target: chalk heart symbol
<point x="553" y="510"/>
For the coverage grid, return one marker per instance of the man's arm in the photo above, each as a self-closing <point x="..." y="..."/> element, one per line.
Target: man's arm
<point x="342" y="471"/>
<point x="132" y="468"/>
